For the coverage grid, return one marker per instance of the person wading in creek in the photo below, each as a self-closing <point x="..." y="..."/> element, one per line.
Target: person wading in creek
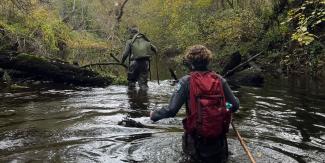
<point x="139" y="50"/>
<point x="205" y="94"/>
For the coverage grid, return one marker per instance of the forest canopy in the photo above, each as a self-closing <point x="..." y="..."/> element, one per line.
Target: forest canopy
<point x="87" y="31"/>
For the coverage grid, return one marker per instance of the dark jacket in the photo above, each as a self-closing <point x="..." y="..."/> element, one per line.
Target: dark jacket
<point x="128" y="46"/>
<point x="198" y="150"/>
<point x="181" y="94"/>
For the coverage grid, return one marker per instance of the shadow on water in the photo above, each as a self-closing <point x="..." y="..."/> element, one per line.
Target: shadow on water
<point x="284" y="121"/>
<point x="139" y="102"/>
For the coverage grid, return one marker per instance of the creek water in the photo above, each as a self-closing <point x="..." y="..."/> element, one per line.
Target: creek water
<point x="283" y="121"/>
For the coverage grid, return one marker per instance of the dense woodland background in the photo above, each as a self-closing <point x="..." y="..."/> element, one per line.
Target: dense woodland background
<point x="290" y="32"/>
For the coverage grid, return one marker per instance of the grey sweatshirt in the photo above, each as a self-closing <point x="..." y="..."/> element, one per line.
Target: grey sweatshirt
<point x="181" y="94"/>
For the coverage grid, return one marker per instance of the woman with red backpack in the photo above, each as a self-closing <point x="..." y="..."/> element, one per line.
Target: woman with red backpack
<point x="207" y="120"/>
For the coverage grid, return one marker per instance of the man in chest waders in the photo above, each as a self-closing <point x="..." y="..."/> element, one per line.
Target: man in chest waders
<point x="139" y="50"/>
<point x="207" y="120"/>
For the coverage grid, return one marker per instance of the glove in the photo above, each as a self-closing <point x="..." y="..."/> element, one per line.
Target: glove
<point x="228" y="105"/>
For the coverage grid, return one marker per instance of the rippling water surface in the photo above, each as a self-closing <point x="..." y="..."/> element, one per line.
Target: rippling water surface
<point x="284" y="121"/>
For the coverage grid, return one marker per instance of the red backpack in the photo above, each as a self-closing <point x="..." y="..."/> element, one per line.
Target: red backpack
<point x="207" y="115"/>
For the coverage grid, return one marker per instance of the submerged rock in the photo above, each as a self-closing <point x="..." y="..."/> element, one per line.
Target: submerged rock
<point x="231" y="62"/>
<point x="130" y="123"/>
<point x="7" y="113"/>
<point x="248" y="77"/>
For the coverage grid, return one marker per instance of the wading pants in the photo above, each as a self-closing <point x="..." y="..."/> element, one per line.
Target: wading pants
<point x="205" y="151"/>
<point x="138" y="72"/>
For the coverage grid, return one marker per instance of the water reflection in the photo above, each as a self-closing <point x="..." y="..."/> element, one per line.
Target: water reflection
<point x="139" y="102"/>
<point x="281" y="122"/>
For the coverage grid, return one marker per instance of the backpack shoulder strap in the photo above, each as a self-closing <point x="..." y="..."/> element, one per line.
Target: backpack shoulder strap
<point x="136" y="36"/>
<point x="219" y="77"/>
<point x="188" y="96"/>
<point x="192" y="92"/>
<point x="145" y="37"/>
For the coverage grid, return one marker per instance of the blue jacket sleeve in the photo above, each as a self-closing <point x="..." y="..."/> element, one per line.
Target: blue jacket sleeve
<point x="178" y="98"/>
<point x="230" y="97"/>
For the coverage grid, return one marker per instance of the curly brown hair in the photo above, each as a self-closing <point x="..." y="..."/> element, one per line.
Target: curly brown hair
<point x="198" y="55"/>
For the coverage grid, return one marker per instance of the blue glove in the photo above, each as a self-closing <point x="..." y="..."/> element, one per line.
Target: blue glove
<point x="228" y="105"/>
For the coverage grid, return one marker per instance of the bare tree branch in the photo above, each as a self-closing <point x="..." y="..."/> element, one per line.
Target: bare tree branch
<point x="231" y="4"/>
<point x="120" y="12"/>
<point x="103" y="64"/>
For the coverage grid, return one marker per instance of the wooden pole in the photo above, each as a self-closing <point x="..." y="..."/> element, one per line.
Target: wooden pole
<point x="157" y="70"/>
<point x="150" y="70"/>
<point x="243" y="144"/>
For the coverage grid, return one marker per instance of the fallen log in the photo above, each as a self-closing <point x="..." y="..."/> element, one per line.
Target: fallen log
<point x="51" y="70"/>
<point x="231" y="72"/>
<point x="231" y="62"/>
<point x="118" y="62"/>
<point x="247" y="77"/>
<point x="246" y="73"/>
<point x="104" y="64"/>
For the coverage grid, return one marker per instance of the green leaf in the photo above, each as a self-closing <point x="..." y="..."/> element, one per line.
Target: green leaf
<point x="319" y="21"/>
<point x="304" y="29"/>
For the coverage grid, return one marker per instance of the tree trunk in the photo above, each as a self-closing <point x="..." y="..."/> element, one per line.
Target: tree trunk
<point x="51" y="70"/>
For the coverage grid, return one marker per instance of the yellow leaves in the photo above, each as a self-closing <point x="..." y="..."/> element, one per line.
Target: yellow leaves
<point x="229" y="30"/>
<point x="322" y="2"/>
<point x="306" y="18"/>
<point x="84" y="40"/>
<point x="42" y="29"/>
<point x="173" y="9"/>
<point x="304" y="38"/>
<point x="203" y="3"/>
<point x="303" y="29"/>
<point x="175" y="3"/>
<point x="87" y="44"/>
<point x="233" y="28"/>
<point x="185" y="22"/>
<point x="42" y="24"/>
<point x="34" y="1"/>
<point x="39" y="14"/>
<point x="187" y="33"/>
